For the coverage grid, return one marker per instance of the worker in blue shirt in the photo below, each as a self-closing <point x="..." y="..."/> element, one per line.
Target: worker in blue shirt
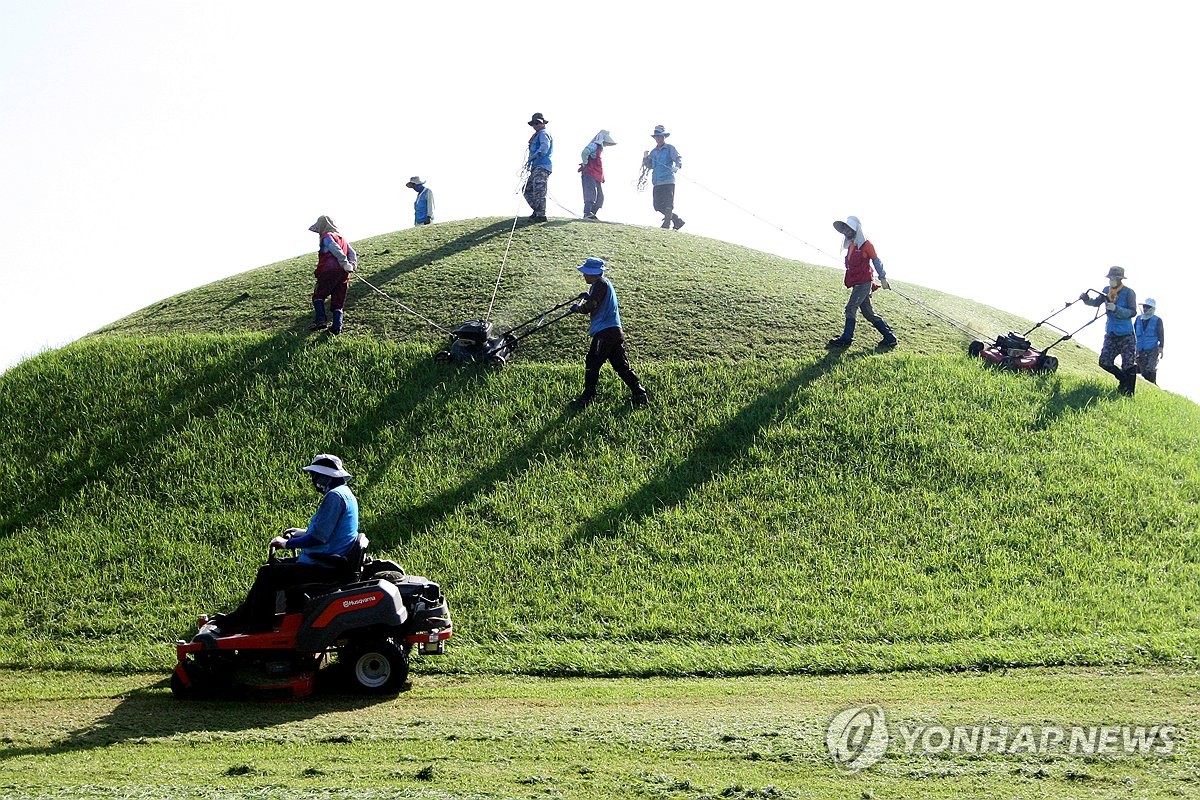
<point x="541" y="147"/>
<point x="608" y="339"/>
<point x="423" y="206"/>
<point x="663" y="162"/>
<point x="1120" y="304"/>
<point x="326" y="545"/>
<point x="1151" y="340"/>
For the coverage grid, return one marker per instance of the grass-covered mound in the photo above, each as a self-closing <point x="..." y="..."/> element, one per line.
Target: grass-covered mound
<point x="778" y="509"/>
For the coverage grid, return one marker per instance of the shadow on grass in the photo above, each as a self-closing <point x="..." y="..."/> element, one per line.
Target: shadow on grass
<point x="417" y="520"/>
<point x="152" y="713"/>
<point x="712" y="455"/>
<point x="203" y="394"/>
<point x="466" y="241"/>
<point x="1059" y="403"/>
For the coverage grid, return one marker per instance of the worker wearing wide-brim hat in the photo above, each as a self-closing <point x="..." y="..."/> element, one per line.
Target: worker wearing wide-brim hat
<point x="423" y="206"/>
<point x="591" y="170"/>
<point x="663" y="162"/>
<point x="1151" y="339"/>
<point x="1120" y="303"/>
<point x="860" y="259"/>
<point x="608" y="338"/>
<point x="336" y="259"/>
<point x="331" y="535"/>
<point x="541" y="148"/>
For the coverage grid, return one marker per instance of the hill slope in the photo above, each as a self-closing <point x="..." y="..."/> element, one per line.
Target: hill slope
<point x="778" y="509"/>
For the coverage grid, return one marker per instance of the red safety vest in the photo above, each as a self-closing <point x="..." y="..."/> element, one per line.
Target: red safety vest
<point x="858" y="267"/>
<point x="594" y="168"/>
<point x="328" y="261"/>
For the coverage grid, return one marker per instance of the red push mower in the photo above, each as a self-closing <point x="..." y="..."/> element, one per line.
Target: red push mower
<point x="1013" y="351"/>
<point x="363" y="625"/>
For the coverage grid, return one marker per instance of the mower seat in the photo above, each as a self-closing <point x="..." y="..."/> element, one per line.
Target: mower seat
<point x="345" y="569"/>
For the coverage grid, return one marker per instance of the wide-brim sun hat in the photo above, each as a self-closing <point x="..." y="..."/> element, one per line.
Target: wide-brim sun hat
<point x="415" y="180"/>
<point x="538" y="119"/>
<point x="592" y="266"/>
<point x="660" y="130"/>
<point x="842" y="228"/>
<point x="1115" y="272"/>
<point x="327" y="464"/>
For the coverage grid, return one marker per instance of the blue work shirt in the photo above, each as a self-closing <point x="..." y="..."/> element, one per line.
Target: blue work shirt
<point x="423" y="207"/>
<point x="602" y="298"/>
<point x="1148" y="331"/>
<point x="333" y="530"/>
<point x="663" y="161"/>
<point x="540" y="148"/>
<point x="1120" y="320"/>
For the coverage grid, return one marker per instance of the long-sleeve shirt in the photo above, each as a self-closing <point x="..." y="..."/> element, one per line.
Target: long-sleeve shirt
<point x="1120" y="319"/>
<point x="664" y="161"/>
<point x="423" y="207"/>
<point x="601" y="304"/>
<point x="541" y="146"/>
<point x="332" y="530"/>
<point x="1151" y="335"/>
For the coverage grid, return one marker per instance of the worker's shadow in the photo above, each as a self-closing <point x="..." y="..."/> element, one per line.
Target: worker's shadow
<point x="424" y="257"/>
<point x="714" y="453"/>
<point x="152" y="713"/>
<point x="120" y="434"/>
<point x="404" y="523"/>
<point x="1059" y="403"/>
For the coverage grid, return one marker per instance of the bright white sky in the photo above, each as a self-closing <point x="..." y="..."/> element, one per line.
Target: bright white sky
<point x="1008" y="152"/>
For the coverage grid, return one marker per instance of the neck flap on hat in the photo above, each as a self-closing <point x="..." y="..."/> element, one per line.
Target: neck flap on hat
<point x="859" y="238"/>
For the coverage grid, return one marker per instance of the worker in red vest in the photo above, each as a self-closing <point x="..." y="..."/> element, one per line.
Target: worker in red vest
<point x="592" y="170"/>
<point x="860" y="258"/>
<point x="336" y="259"/>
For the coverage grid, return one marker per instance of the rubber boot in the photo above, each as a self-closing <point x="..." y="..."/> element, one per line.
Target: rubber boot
<point x="1151" y="376"/>
<point x="640" y="397"/>
<point x="319" y="321"/>
<point x="889" y="338"/>
<point x="1128" y="382"/>
<point x="336" y="327"/>
<point x="847" y="335"/>
<point x="584" y="400"/>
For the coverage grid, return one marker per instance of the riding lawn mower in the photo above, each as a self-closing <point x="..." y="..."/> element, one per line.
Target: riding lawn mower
<point x="363" y="625"/>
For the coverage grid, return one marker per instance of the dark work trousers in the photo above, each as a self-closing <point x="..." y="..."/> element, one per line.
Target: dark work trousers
<point x="257" y="611"/>
<point x="608" y="346"/>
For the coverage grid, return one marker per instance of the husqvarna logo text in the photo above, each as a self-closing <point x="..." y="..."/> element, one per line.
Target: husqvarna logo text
<point x="358" y="602"/>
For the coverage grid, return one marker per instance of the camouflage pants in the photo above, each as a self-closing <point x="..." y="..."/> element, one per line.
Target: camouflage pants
<point x="535" y="191"/>
<point x="1147" y="362"/>
<point x="1118" y="345"/>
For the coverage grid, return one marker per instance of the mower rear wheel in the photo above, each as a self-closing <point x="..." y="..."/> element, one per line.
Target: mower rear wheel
<point x="180" y="691"/>
<point x="975" y="349"/>
<point x="1048" y="364"/>
<point x="378" y="667"/>
<point x="442" y="356"/>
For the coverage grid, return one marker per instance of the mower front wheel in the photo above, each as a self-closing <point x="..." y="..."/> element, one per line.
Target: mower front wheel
<point x="1048" y="364"/>
<point x="377" y="667"/>
<point x="975" y="349"/>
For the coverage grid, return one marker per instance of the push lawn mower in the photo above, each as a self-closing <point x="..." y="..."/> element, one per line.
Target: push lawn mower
<point x="1015" y="352"/>
<point x="369" y="618"/>
<point x="473" y="342"/>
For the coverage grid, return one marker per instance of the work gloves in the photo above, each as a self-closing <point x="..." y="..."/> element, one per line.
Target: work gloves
<point x="884" y="282"/>
<point x="1111" y="306"/>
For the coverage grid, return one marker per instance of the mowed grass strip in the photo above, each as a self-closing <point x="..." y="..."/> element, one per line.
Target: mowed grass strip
<point x="104" y="736"/>
<point x="838" y="512"/>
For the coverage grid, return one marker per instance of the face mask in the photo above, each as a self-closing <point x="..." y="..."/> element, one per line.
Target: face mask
<point x="1147" y="313"/>
<point x="1114" y="282"/>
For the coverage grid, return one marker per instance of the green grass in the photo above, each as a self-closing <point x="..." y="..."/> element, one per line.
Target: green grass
<point x="805" y="515"/>
<point x="90" y="736"/>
